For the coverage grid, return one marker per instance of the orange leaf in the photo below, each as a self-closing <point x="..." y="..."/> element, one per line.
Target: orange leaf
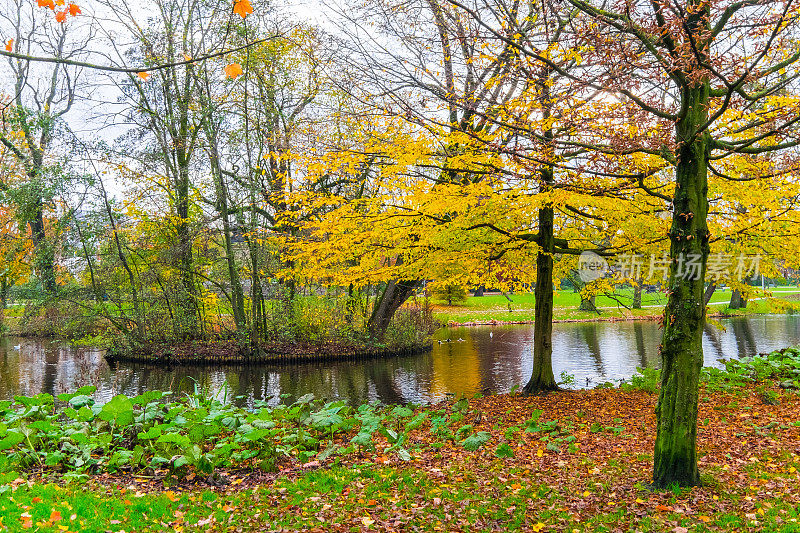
<point x="60" y="2"/>
<point x="46" y="3"/>
<point x="664" y="508"/>
<point x="55" y="516"/>
<point x="36" y="500"/>
<point x="74" y="10"/>
<point x="143" y="75"/>
<point x="233" y="70"/>
<point x="10" y="45"/>
<point x="61" y="16"/>
<point x="242" y="8"/>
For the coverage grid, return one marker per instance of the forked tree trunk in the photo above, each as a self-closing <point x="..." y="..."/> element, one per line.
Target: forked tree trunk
<point x="675" y="456"/>
<point x="542" y="378"/>
<point x="394" y="295"/>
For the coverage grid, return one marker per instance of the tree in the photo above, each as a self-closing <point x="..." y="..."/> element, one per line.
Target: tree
<point x="42" y="95"/>
<point x="719" y="75"/>
<point x="164" y="107"/>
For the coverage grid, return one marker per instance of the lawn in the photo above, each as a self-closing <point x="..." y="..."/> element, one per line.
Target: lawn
<point x="520" y="308"/>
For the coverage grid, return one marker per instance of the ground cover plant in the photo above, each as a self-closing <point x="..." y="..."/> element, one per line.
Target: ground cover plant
<point x="572" y="460"/>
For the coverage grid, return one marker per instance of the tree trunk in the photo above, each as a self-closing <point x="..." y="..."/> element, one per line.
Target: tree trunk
<point x="738" y="301"/>
<point x="587" y="304"/>
<point x="237" y="294"/>
<point x="45" y="257"/>
<point x="479" y="291"/>
<point x="637" y="294"/>
<point x="4" y="288"/>
<point x="394" y="295"/>
<point x="712" y="287"/>
<point x="188" y="305"/>
<point x="542" y="378"/>
<point x="675" y="456"/>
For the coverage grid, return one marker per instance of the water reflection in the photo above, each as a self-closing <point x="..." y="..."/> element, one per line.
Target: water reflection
<point x="466" y="361"/>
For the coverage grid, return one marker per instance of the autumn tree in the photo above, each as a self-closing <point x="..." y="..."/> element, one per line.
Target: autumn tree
<point x="39" y="98"/>
<point x="164" y="106"/>
<point x="718" y="76"/>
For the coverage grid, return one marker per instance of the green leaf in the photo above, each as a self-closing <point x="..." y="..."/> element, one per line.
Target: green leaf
<point x="80" y="400"/>
<point x="118" y="410"/>
<point x="11" y="439"/>
<point x="504" y="451"/>
<point x="476" y="441"/>
<point x="182" y="441"/>
<point x="417" y="421"/>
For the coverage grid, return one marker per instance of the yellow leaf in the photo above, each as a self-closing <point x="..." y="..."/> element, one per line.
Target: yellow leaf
<point x="586" y="493"/>
<point x="233" y="70"/>
<point x="539" y="452"/>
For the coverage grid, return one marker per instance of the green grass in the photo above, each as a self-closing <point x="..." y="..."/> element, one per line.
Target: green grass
<point x="521" y="307"/>
<point x="365" y="497"/>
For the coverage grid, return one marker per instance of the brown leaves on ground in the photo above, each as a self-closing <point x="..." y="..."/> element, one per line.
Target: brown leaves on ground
<point x="748" y="454"/>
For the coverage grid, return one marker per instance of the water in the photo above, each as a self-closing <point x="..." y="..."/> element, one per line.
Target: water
<point x="477" y="359"/>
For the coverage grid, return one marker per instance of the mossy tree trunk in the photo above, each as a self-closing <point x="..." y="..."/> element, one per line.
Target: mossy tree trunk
<point x="675" y="457"/>
<point x="542" y="378"/>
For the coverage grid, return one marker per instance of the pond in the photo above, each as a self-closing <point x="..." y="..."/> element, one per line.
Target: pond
<point x="464" y="361"/>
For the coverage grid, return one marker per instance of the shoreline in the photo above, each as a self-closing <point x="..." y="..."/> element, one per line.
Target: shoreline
<point x="631" y="318"/>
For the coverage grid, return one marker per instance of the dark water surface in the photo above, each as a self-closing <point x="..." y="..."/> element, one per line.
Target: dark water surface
<point x="477" y="359"/>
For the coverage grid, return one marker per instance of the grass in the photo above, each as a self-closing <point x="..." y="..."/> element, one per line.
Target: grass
<point x="391" y="498"/>
<point x="521" y="307"/>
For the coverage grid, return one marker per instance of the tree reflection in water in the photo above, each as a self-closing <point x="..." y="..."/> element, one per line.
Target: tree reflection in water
<point x="466" y="362"/>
